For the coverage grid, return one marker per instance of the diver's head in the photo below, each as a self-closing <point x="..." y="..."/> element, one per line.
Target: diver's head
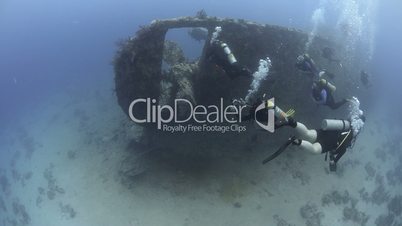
<point x="300" y="59"/>
<point x="316" y="91"/>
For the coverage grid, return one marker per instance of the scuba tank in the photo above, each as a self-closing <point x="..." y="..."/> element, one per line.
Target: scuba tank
<point x="335" y="125"/>
<point x="327" y="84"/>
<point x="229" y="54"/>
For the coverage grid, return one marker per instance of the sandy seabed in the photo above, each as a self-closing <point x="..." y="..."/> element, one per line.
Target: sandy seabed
<point x="79" y="162"/>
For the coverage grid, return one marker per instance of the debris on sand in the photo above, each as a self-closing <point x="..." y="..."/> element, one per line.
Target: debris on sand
<point x="303" y="177"/>
<point x="52" y="183"/>
<point x="370" y="170"/>
<point x="380" y="195"/>
<point x="354" y="215"/>
<point x="4" y="183"/>
<point x="27" y="142"/>
<point x="3" y="207"/>
<point x="337" y="198"/>
<point x="311" y="215"/>
<point x="364" y="195"/>
<point x="383" y="220"/>
<point x="395" y="205"/>
<point x="21" y="213"/>
<point x="67" y="210"/>
<point x="281" y="222"/>
<point x="394" y="176"/>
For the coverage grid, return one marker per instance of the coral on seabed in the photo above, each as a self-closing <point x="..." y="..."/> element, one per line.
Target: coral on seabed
<point x="280" y="221"/>
<point x="67" y="210"/>
<point x="336" y="198"/>
<point x="354" y="215"/>
<point x="395" y="205"/>
<point x="52" y="183"/>
<point x="370" y="170"/>
<point x="3" y="207"/>
<point x="21" y="213"/>
<point x="379" y="195"/>
<point x="383" y="220"/>
<point x="310" y="213"/>
<point x="4" y="183"/>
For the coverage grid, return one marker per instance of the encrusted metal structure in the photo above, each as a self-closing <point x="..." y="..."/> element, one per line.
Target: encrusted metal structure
<point x="138" y="65"/>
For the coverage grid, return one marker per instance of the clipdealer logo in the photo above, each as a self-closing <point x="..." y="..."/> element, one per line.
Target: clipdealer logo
<point x="199" y="118"/>
<point x="270" y="126"/>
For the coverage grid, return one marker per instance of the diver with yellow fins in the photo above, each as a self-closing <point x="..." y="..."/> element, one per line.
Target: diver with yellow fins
<point x="333" y="138"/>
<point x="221" y="55"/>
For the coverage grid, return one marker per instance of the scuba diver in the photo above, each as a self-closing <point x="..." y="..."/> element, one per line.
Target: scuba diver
<point x="365" y="78"/>
<point x="220" y="54"/>
<point x="334" y="138"/>
<point x="328" y="53"/>
<point x="306" y="64"/>
<point x="322" y="90"/>
<point x="322" y="94"/>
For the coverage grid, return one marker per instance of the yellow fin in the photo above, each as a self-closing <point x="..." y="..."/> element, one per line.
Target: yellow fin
<point x="290" y="113"/>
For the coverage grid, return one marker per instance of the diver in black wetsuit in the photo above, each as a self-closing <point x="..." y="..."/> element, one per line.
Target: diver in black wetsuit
<point x="334" y="138"/>
<point x="220" y="54"/>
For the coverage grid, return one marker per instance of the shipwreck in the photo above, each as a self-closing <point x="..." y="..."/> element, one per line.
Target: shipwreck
<point x="139" y="61"/>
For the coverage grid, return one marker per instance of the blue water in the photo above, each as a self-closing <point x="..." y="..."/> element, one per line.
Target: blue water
<point x="48" y="46"/>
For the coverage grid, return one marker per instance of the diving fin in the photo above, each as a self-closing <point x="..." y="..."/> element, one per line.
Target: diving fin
<point x="290" y="113"/>
<point x="280" y="150"/>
